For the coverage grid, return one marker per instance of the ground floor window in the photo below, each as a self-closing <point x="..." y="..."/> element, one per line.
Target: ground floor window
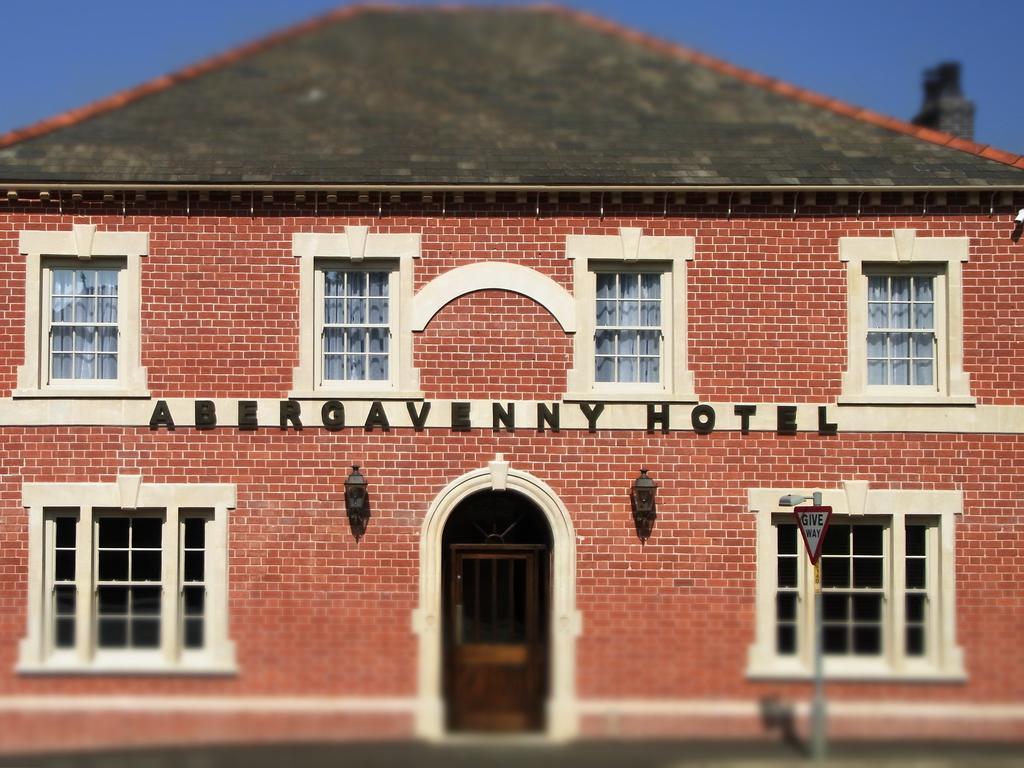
<point x="140" y="586"/>
<point x="888" y="579"/>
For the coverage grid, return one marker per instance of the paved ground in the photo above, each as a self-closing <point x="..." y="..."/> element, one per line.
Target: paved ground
<point x="580" y="755"/>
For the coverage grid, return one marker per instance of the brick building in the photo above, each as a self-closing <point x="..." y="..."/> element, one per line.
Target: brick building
<point x="502" y="260"/>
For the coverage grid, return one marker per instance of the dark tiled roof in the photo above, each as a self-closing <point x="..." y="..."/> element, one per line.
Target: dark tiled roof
<point x="483" y="97"/>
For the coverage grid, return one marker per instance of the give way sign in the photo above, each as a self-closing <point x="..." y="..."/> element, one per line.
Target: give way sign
<point x="813" y="523"/>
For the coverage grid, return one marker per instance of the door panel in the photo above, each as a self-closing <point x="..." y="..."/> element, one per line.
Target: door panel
<point x="496" y="653"/>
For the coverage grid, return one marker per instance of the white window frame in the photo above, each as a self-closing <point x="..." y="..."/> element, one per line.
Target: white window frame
<point x="943" y="659"/>
<point x="906" y="254"/>
<point x="44" y="250"/>
<point x="87" y="502"/>
<point x="357" y="250"/>
<point x="631" y="251"/>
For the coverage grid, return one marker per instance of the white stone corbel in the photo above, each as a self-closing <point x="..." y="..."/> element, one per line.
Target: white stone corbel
<point x="356" y="237"/>
<point x="84" y="236"/>
<point x="856" y="496"/>
<point x="904" y="239"/>
<point x="128" y="487"/>
<point x="499" y="473"/>
<point x="630" y="238"/>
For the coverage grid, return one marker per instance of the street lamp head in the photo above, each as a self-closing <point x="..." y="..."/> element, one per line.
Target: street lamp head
<point x="792" y="499"/>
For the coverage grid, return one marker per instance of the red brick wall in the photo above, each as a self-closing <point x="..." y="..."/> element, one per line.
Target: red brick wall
<point x="315" y="613"/>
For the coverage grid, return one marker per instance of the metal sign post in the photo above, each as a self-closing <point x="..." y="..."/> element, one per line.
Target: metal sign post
<point x="813" y="524"/>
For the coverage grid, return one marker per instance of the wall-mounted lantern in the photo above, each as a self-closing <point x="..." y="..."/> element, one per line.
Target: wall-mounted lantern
<point x="357" y="505"/>
<point x="642" y="497"/>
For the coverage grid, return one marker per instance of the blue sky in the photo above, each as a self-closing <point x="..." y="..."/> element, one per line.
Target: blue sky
<point x="62" y="54"/>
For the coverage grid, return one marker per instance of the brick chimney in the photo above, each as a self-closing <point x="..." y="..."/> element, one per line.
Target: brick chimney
<point x="945" y="108"/>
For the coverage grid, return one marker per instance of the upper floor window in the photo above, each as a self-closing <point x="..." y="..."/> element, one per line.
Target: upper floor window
<point x="82" y="314"/>
<point x="630" y="293"/>
<point x="83" y="329"/>
<point x="355" y="308"/>
<point x="628" y="332"/>
<point x="905" y="341"/>
<point x="356" y="335"/>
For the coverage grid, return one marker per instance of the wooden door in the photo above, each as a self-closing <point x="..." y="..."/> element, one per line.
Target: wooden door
<point x="496" y="649"/>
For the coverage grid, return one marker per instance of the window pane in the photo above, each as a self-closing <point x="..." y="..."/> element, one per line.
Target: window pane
<point x="924" y="315"/>
<point x="60" y="309"/>
<point x="916" y="539"/>
<point x="356" y="314"/>
<point x="900" y="344"/>
<point x="193" y="600"/>
<point x="627" y="342"/>
<point x="85" y="309"/>
<point x="63" y="281"/>
<point x="379" y="284"/>
<point x="378" y="368"/>
<point x="836" y="640"/>
<point x="900" y="287"/>
<point x="867" y="607"/>
<point x="64" y="633"/>
<point x="867" y="572"/>
<point x="61" y="339"/>
<point x="650" y="285"/>
<point x="650" y="343"/>
<point x="107" y="309"/>
<point x="878" y="288"/>
<point x="145" y="633"/>
<point x="915" y="573"/>
<point x="64" y="565"/>
<point x="113" y="633"/>
<point x="355" y="283"/>
<point x="65" y="531"/>
<point x="785" y="606"/>
<point x="378" y="340"/>
<point x="629" y="313"/>
<point x="923" y="372"/>
<point x="85" y="365"/>
<point x="193" y="633"/>
<point x="605" y="313"/>
<point x="627" y="369"/>
<point x="334" y="340"/>
<point x="915" y="641"/>
<point x="650" y="314"/>
<point x="649" y="370"/>
<point x="604" y="342"/>
<point x="605" y="285"/>
<point x="900" y="372"/>
<point x="923" y="345"/>
<point x="85" y="339"/>
<point x="923" y="289"/>
<point x="876" y="345"/>
<point x="145" y="601"/>
<point x="333" y="368"/>
<point x="334" y="283"/>
<point x="835" y="607"/>
<point x="194" y="563"/>
<point x="876" y="372"/>
<point x="146" y="565"/>
<point x="915" y="607"/>
<point x="355" y="338"/>
<point x="604" y="369"/>
<point x="878" y="316"/>
<point x="195" y="533"/>
<point x="333" y="311"/>
<point x="867" y="640"/>
<point x="378" y="311"/>
<point x="837" y="540"/>
<point x="113" y="565"/>
<point x="786" y="536"/>
<point x="629" y="285"/>
<point x="787" y="570"/>
<point x="867" y="539"/>
<point x="64" y="599"/>
<point x="146" y="532"/>
<point x="785" y="639"/>
<point x="835" y="572"/>
<point x="355" y="367"/>
<point x="112" y="600"/>
<point x="107" y="282"/>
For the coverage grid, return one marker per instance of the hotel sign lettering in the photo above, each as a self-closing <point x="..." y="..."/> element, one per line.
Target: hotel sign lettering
<point x="462" y="416"/>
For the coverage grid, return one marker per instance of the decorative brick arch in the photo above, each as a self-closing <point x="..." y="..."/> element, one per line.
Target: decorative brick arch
<point x="565" y="624"/>
<point x="494" y="274"/>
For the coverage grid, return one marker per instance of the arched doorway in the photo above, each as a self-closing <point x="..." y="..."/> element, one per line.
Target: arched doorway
<point x="496" y="566"/>
<point x="561" y="720"/>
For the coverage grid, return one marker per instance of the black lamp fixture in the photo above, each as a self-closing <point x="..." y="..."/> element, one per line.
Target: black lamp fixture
<point x="642" y="497"/>
<point x="357" y="505"/>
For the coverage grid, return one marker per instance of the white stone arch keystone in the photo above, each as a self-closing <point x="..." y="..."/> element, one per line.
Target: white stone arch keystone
<point x="562" y="715"/>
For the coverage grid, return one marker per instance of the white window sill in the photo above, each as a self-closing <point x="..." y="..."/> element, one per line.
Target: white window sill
<point x="135" y="667"/>
<point x="630" y="396"/>
<point x="81" y="393"/>
<point x="854" y="670"/>
<point x="356" y="394"/>
<point x="909" y="398"/>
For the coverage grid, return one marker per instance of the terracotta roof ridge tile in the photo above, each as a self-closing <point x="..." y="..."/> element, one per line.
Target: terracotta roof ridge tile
<point x="783" y="88"/>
